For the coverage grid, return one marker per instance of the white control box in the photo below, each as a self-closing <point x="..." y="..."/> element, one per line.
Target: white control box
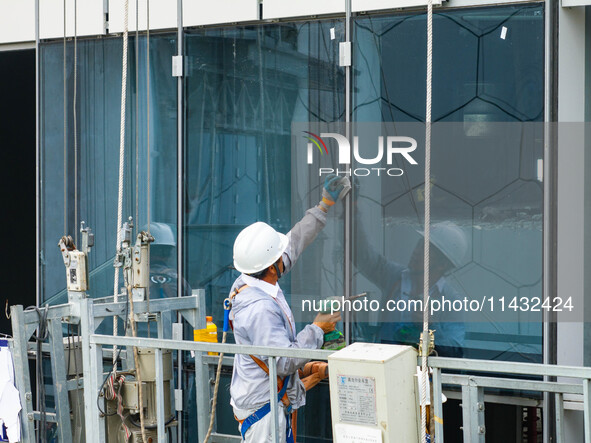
<point x="373" y="394"/>
<point x="76" y="271"/>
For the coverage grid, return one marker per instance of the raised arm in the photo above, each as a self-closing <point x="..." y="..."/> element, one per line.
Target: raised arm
<point x="305" y="231"/>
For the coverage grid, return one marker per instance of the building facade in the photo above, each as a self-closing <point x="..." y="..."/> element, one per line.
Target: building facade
<point x="218" y="96"/>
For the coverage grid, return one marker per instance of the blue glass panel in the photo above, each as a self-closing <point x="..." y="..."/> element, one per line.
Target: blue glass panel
<point x="486" y="178"/>
<point x="245" y="86"/>
<point x="97" y="158"/>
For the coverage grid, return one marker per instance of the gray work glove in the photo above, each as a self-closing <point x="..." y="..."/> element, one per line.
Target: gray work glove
<point x="335" y="188"/>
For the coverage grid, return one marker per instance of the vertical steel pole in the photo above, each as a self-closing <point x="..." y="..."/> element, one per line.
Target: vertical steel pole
<point x="202" y="394"/>
<point x="273" y="399"/>
<point x="27" y="433"/>
<point x="473" y="413"/>
<point x="58" y="374"/>
<point x="37" y="166"/>
<point x="92" y="367"/>
<point x="549" y="326"/>
<point x="478" y="429"/>
<point x="202" y="390"/>
<point x="180" y="201"/>
<point x="466" y="416"/>
<point x="587" y="409"/>
<point x="437" y="405"/>
<point x="559" y="401"/>
<point x="160" y="323"/>
<point x="160" y="418"/>
<point x="21" y="373"/>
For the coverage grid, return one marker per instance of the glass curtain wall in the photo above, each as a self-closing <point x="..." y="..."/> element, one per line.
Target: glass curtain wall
<point x="79" y="181"/>
<point x="245" y="87"/>
<point x="487" y="191"/>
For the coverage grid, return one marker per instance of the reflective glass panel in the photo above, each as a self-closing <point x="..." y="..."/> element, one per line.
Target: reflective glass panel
<point x="245" y="87"/>
<point x="95" y="125"/>
<point x="486" y="183"/>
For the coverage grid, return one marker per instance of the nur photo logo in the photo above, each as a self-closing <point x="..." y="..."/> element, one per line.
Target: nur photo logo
<point x="387" y="148"/>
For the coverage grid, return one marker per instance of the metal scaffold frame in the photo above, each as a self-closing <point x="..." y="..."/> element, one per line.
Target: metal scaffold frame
<point x="91" y="313"/>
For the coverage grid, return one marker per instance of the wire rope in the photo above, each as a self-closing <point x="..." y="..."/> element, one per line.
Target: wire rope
<point x="215" y="392"/>
<point x="75" y="115"/>
<point x="425" y="335"/>
<point x="137" y="107"/>
<point x="148" y="207"/>
<point x="65" y="132"/>
<point x="121" y="169"/>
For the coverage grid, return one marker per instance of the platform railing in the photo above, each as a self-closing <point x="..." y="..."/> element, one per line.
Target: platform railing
<point x="498" y="375"/>
<point x="202" y="375"/>
<point x="486" y="374"/>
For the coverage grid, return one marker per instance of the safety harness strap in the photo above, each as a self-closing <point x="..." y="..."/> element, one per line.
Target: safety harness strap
<point x="280" y="383"/>
<point x="260" y="413"/>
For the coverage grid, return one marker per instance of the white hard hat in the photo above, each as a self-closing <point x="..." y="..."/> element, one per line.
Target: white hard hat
<point x="257" y="247"/>
<point x="163" y="234"/>
<point x="451" y="240"/>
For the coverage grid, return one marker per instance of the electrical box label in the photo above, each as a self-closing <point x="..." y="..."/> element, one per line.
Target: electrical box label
<point x="357" y="434"/>
<point x="357" y="399"/>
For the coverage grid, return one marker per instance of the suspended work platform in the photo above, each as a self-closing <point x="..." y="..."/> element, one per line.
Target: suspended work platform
<point x="98" y="348"/>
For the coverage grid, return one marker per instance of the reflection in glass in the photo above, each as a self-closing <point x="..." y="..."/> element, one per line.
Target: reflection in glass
<point x="488" y="67"/>
<point x="245" y="86"/>
<point x="98" y="124"/>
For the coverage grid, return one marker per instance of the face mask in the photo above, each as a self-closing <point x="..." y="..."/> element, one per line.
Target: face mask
<point x="279" y="273"/>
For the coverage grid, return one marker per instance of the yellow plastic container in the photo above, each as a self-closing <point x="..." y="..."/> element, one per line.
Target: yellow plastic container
<point x="209" y="334"/>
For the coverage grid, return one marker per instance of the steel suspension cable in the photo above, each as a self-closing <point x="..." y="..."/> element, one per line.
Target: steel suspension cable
<point x="427" y="242"/>
<point x="75" y="122"/>
<point x="65" y="133"/>
<point x="137" y="154"/>
<point x="121" y="170"/>
<point x="148" y="208"/>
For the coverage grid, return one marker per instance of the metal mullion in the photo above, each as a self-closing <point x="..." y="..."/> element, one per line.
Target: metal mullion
<point x="549" y="326"/>
<point x="348" y="224"/>
<point x="180" y="198"/>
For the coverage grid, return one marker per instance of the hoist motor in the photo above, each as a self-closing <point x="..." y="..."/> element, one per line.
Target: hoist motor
<point x="76" y="260"/>
<point x="141" y="266"/>
<point x="135" y="261"/>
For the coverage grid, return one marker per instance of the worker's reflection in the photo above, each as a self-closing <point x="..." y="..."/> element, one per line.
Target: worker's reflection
<point x="163" y="273"/>
<point x="399" y="283"/>
<point x="163" y="276"/>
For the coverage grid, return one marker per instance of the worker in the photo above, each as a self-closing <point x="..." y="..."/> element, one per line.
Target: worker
<point x="448" y="251"/>
<point x="262" y="317"/>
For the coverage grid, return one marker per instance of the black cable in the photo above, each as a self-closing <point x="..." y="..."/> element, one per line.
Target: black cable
<point x="98" y="396"/>
<point x="40" y="337"/>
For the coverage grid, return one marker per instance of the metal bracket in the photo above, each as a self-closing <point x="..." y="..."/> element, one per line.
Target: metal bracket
<point x="473" y="412"/>
<point x="345" y="54"/>
<point x="177" y="331"/>
<point x="177" y="65"/>
<point x="178" y="399"/>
